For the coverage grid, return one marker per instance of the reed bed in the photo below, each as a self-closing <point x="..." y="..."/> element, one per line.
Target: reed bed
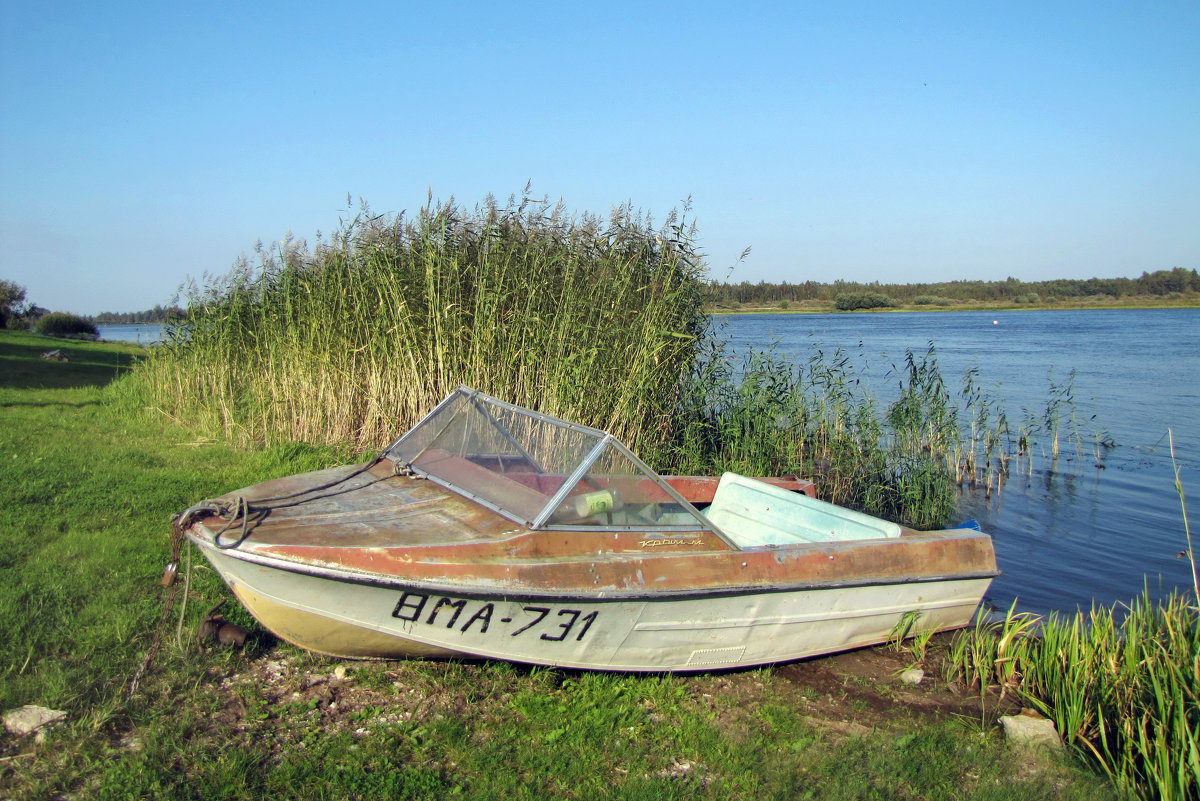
<point x="351" y="341"/>
<point x="763" y="415"/>
<point x="1122" y="685"/>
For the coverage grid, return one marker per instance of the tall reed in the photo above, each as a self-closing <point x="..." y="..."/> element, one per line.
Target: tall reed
<point x="596" y="320"/>
<point x="351" y="341"/>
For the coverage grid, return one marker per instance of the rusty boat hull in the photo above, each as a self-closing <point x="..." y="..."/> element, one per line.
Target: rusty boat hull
<point x="404" y="557"/>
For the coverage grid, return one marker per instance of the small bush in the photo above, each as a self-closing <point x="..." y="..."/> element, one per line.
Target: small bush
<point x="932" y="300"/>
<point x="850" y="301"/>
<point x="61" y="324"/>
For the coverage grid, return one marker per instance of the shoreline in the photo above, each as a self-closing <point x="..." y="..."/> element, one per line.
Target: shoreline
<point x="980" y="307"/>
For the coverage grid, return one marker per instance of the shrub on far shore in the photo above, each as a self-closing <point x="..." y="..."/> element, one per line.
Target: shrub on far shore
<point x="62" y="324"/>
<point x="933" y="300"/>
<point x="850" y="301"/>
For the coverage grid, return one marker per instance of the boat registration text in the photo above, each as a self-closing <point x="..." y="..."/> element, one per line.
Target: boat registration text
<point x="544" y="622"/>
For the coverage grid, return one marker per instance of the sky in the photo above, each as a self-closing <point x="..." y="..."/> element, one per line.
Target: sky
<point x="146" y="144"/>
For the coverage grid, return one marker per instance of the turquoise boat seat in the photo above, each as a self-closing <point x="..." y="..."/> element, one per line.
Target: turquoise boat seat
<point x="755" y="514"/>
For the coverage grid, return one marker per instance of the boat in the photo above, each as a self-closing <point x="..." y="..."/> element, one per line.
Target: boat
<point x="492" y="531"/>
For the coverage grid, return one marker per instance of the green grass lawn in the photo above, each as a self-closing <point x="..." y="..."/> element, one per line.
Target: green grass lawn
<point x="88" y="482"/>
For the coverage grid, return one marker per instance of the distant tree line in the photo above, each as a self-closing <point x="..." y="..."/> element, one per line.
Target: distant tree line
<point x="1010" y="290"/>
<point x="159" y="314"/>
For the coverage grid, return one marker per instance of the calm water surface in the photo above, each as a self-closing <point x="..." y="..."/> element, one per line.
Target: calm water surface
<point x="1067" y="534"/>
<point x="146" y="334"/>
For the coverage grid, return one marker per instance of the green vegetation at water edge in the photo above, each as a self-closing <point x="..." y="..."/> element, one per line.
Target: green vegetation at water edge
<point x="62" y="324"/>
<point x="158" y="314"/>
<point x="77" y="363"/>
<point x="763" y="415"/>
<point x="88" y="481"/>
<point x="1121" y="684"/>
<point x="1177" y="286"/>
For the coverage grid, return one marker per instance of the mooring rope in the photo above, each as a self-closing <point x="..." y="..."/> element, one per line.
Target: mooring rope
<point x="238" y="513"/>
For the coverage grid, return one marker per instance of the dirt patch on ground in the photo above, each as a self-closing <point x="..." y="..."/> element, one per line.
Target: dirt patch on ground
<point x="844" y="694"/>
<point x="865" y="686"/>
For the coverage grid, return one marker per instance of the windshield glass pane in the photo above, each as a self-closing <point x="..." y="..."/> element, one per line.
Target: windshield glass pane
<point x="616" y="492"/>
<point x="516" y="461"/>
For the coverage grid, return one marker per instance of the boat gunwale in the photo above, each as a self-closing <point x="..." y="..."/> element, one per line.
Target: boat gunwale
<point x="351" y="576"/>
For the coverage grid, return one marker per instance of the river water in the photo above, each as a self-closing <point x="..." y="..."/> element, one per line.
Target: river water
<point x="1067" y="533"/>
<point x="144" y="334"/>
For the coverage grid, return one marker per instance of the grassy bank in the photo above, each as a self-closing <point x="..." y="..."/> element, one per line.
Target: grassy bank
<point x="87" y="486"/>
<point x="1122" y="685"/>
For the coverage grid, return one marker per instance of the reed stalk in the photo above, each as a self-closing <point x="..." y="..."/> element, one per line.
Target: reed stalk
<point x="1187" y="529"/>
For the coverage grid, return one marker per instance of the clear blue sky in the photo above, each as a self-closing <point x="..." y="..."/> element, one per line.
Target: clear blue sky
<point x="144" y="143"/>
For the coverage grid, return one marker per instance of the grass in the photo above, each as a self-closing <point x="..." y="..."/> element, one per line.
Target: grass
<point x="87" y="485"/>
<point x="88" y="363"/>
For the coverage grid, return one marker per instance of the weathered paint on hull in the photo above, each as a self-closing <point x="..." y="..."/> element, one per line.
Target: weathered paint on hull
<point x="354" y="619"/>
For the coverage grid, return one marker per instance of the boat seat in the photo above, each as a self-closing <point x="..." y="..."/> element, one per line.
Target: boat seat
<point x="755" y="514"/>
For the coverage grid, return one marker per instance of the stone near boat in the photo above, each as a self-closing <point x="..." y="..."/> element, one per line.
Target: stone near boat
<point x="1031" y="730"/>
<point x="31" y="719"/>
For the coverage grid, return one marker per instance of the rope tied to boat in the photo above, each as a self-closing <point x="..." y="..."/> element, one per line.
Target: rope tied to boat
<point x="235" y="512"/>
<point x="240" y="513"/>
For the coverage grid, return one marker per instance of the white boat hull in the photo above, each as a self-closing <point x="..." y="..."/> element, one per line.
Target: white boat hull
<point x="342" y="614"/>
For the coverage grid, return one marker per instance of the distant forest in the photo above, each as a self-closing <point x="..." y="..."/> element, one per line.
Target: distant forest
<point x="1159" y="283"/>
<point x="1011" y="290"/>
<point x="159" y="314"/>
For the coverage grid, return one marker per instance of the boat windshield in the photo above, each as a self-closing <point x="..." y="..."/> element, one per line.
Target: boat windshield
<point x="539" y="470"/>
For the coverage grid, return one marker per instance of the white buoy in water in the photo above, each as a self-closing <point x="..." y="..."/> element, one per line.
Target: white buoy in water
<point x="995" y="322"/>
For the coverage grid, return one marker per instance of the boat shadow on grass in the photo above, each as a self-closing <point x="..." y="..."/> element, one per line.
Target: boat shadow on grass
<point x="24" y="366"/>
<point x="48" y="404"/>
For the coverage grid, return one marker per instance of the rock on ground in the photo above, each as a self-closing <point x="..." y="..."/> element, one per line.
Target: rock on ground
<point x="30" y="718"/>
<point x="1030" y="731"/>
